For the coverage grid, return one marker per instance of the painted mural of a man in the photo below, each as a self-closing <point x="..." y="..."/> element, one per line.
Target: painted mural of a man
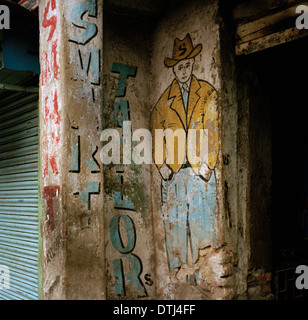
<point x="188" y="187"/>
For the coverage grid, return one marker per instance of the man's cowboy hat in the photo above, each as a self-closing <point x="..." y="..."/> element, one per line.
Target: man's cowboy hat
<point x="182" y="49"/>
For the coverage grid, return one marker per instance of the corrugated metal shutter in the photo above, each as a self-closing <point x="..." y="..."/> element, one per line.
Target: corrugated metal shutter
<point x="19" y="194"/>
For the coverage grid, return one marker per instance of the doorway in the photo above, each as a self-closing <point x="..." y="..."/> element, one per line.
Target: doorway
<point x="275" y="82"/>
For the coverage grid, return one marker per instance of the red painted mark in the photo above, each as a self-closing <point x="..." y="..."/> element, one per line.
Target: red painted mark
<point x="54" y="59"/>
<point x="50" y="70"/>
<point x="46" y="110"/>
<point x="52" y="118"/>
<point x="56" y="115"/>
<point x="49" y="194"/>
<point x="45" y="67"/>
<point x="53" y="115"/>
<point x="57" y="139"/>
<point x="52" y="22"/>
<point x="50" y="67"/>
<point x="265" y="278"/>
<point x="51" y="159"/>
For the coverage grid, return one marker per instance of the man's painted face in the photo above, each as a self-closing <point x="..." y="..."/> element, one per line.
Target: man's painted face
<point x="183" y="70"/>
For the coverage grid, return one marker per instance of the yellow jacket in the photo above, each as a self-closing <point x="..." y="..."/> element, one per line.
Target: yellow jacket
<point x="202" y="113"/>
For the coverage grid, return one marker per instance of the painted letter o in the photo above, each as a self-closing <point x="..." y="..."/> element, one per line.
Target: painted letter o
<point x="116" y="237"/>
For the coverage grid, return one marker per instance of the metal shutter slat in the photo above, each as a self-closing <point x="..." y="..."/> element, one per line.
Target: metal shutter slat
<point x="18" y="261"/>
<point x="16" y="101"/>
<point x="19" y="152"/>
<point x="4" y="295"/>
<point x="20" y="218"/>
<point x="19" y="245"/>
<point x="16" y="235"/>
<point x="20" y="211"/>
<point x="17" y="226"/>
<point x="20" y="252"/>
<point x="19" y="119"/>
<point x="22" y="110"/>
<point x="20" y="161"/>
<point x="20" y="177"/>
<point x="25" y="271"/>
<point x="32" y="141"/>
<point x="19" y="194"/>
<point x="22" y="129"/>
<point x="25" y="185"/>
<point x="19" y="202"/>
<point x="30" y="167"/>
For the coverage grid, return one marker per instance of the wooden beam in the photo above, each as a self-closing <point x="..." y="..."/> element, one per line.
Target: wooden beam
<point x="269" y="41"/>
<point x="268" y="31"/>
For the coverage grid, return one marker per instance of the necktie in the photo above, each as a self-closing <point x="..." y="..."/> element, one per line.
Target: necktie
<point x="185" y="95"/>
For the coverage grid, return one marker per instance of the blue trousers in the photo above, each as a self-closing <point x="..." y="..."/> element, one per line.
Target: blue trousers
<point x="189" y="211"/>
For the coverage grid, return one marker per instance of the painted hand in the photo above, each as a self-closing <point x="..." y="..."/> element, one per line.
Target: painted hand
<point x="205" y="172"/>
<point x="165" y="172"/>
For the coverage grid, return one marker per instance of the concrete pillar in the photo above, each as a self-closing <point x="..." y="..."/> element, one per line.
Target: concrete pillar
<point x="118" y="237"/>
<point x="210" y="272"/>
<point x="70" y="127"/>
<point x="130" y="267"/>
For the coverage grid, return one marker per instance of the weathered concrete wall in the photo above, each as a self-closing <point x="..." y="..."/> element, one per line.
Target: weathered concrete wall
<point x="127" y="207"/>
<point x="82" y="171"/>
<point x="112" y="231"/>
<point x="51" y="146"/>
<point x="255" y="115"/>
<point x="211" y="276"/>
<point x="235" y="153"/>
<point x="70" y="113"/>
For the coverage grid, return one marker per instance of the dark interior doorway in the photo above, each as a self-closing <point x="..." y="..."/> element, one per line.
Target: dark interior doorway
<point x="276" y="82"/>
<point x="284" y="73"/>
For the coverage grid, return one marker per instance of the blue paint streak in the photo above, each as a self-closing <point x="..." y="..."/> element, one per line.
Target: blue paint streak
<point x="89" y="64"/>
<point x="88" y="188"/>
<point x="118" y="200"/>
<point x="125" y="71"/>
<point x="90" y="28"/>
<point x="121" y="106"/>
<point x="74" y="160"/>
<point x="132" y="277"/>
<point x="91" y="163"/>
<point x="115" y="233"/>
<point x="118" y="277"/>
<point x="95" y="66"/>
<point x="191" y="204"/>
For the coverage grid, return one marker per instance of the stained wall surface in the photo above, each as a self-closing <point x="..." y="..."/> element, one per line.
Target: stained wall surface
<point x="127" y="186"/>
<point x="178" y="222"/>
<point x="185" y="207"/>
<point x="130" y="230"/>
<point x="71" y="179"/>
